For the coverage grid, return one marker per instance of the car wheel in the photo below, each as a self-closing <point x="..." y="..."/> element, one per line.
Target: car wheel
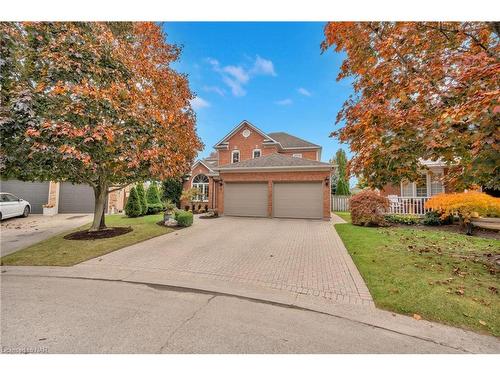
<point x="26" y="211"/>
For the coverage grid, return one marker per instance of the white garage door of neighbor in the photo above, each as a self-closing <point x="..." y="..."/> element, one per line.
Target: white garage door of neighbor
<point x="37" y="193"/>
<point x="78" y="198"/>
<point x="301" y="200"/>
<point x="245" y="199"/>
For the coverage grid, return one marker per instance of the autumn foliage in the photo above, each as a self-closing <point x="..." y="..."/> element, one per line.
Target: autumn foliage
<point x="94" y="103"/>
<point x="368" y="208"/>
<point x="422" y="90"/>
<point x="465" y="205"/>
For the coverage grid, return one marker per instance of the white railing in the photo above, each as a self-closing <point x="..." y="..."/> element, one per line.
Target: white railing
<point x="408" y="205"/>
<point x="340" y="202"/>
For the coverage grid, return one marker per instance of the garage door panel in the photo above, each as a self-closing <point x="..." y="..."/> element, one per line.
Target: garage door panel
<point x="298" y="200"/>
<point x="78" y="198"/>
<point x="245" y="199"/>
<point x="37" y="193"/>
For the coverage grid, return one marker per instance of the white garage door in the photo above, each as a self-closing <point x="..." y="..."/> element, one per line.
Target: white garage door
<point x="37" y="193"/>
<point x="302" y="200"/>
<point x="77" y="198"/>
<point x="245" y="199"/>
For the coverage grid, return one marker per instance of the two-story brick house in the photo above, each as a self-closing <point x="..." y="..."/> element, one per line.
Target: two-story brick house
<point x="252" y="173"/>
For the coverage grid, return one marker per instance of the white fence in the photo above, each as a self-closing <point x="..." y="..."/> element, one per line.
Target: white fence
<point x="408" y="205"/>
<point x="397" y="205"/>
<point x="340" y="202"/>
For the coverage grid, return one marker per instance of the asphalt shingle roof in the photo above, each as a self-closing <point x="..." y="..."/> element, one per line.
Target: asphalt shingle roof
<point x="275" y="160"/>
<point x="290" y="141"/>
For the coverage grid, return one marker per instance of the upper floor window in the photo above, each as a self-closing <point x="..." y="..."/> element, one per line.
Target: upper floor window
<point x="235" y="156"/>
<point x="296" y="155"/>
<point x="256" y="153"/>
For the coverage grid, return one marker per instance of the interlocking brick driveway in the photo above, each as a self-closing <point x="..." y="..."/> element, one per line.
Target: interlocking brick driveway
<point x="301" y="256"/>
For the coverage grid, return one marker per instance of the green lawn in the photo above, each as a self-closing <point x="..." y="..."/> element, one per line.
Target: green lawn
<point x="439" y="275"/>
<point x="344" y="215"/>
<point x="56" y="251"/>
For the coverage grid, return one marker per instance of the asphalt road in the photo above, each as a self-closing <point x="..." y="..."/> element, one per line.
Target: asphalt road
<point x="56" y="315"/>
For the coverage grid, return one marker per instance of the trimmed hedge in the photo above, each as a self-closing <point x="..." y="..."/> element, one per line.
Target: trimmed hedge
<point x="153" y="200"/>
<point x="133" y="207"/>
<point x="142" y="198"/>
<point x="184" y="218"/>
<point x="406" y="219"/>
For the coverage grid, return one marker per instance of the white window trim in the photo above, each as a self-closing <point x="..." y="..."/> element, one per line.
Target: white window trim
<point x="207" y="184"/>
<point x="297" y="155"/>
<point x="414" y="186"/>
<point x="232" y="154"/>
<point x="253" y="152"/>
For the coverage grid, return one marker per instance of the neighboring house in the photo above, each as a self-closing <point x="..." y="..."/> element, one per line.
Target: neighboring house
<point x="252" y="173"/>
<point x="410" y="196"/>
<point x="64" y="196"/>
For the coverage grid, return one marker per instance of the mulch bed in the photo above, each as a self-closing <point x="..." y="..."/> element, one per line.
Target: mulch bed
<point x="105" y="233"/>
<point x="455" y="228"/>
<point x="209" y="217"/>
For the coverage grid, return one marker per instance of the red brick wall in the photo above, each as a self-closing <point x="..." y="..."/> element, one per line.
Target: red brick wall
<point x="244" y="145"/>
<point x="312" y="155"/>
<point x="276" y="176"/>
<point x="200" y="168"/>
<point x="391" y="190"/>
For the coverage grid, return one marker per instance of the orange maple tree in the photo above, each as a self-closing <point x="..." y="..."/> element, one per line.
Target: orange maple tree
<point x="422" y="90"/>
<point x="94" y="103"/>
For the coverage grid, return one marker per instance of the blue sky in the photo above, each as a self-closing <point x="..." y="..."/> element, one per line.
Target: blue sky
<point x="271" y="74"/>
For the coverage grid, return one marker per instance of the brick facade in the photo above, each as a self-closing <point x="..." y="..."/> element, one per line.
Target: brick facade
<point x="187" y="184"/>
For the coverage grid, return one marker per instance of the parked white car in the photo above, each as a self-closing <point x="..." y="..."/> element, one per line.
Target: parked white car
<point x="12" y="206"/>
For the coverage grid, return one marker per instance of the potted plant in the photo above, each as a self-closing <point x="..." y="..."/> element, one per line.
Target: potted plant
<point x="169" y="210"/>
<point x="49" y="210"/>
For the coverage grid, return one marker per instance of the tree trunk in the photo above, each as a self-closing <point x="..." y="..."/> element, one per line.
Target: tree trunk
<point x="100" y="194"/>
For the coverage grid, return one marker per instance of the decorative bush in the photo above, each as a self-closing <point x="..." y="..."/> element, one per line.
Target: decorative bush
<point x="434" y="218"/>
<point x="465" y="205"/>
<point x="184" y="218"/>
<point x="142" y="198"/>
<point x="172" y="190"/>
<point x="368" y="208"/>
<point x="133" y="207"/>
<point x="153" y="200"/>
<point x="407" y="219"/>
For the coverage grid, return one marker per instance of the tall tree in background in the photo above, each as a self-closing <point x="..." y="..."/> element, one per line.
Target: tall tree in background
<point x="425" y="90"/>
<point x="93" y="103"/>
<point x="172" y="190"/>
<point x="342" y="187"/>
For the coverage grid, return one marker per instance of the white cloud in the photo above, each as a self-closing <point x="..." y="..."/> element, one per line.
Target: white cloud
<point x="286" y="101"/>
<point x="215" y="89"/>
<point x="304" y="91"/>
<point x="199" y="103"/>
<point x="237" y="76"/>
<point x="263" y="67"/>
<point x="237" y="72"/>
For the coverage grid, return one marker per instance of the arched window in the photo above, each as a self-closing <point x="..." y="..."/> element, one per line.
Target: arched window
<point x="200" y="182"/>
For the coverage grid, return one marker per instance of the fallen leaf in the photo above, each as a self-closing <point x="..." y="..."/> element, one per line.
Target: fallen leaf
<point x="417" y="317"/>
<point x="482" y="322"/>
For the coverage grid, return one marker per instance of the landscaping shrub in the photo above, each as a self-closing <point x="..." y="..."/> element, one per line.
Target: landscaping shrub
<point x="432" y="218"/>
<point x="142" y="198"/>
<point x="184" y="218"/>
<point x="407" y="219"/>
<point x="465" y="205"/>
<point x="172" y="190"/>
<point x="153" y="200"/>
<point x="133" y="207"/>
<point x="368" y="208"/>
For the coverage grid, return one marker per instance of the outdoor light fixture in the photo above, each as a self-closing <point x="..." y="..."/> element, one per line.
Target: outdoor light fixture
<point x="327" y="180"/>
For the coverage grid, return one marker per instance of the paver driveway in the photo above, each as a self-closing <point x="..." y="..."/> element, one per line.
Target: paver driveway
<point x="301" y="256"/>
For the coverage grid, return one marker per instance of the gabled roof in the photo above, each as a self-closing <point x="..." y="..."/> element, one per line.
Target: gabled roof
<point x="206" y="163"/>
<point x="223" y="141"/>
<point x="290" y="141"/>
<point x="275" y="161"/>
